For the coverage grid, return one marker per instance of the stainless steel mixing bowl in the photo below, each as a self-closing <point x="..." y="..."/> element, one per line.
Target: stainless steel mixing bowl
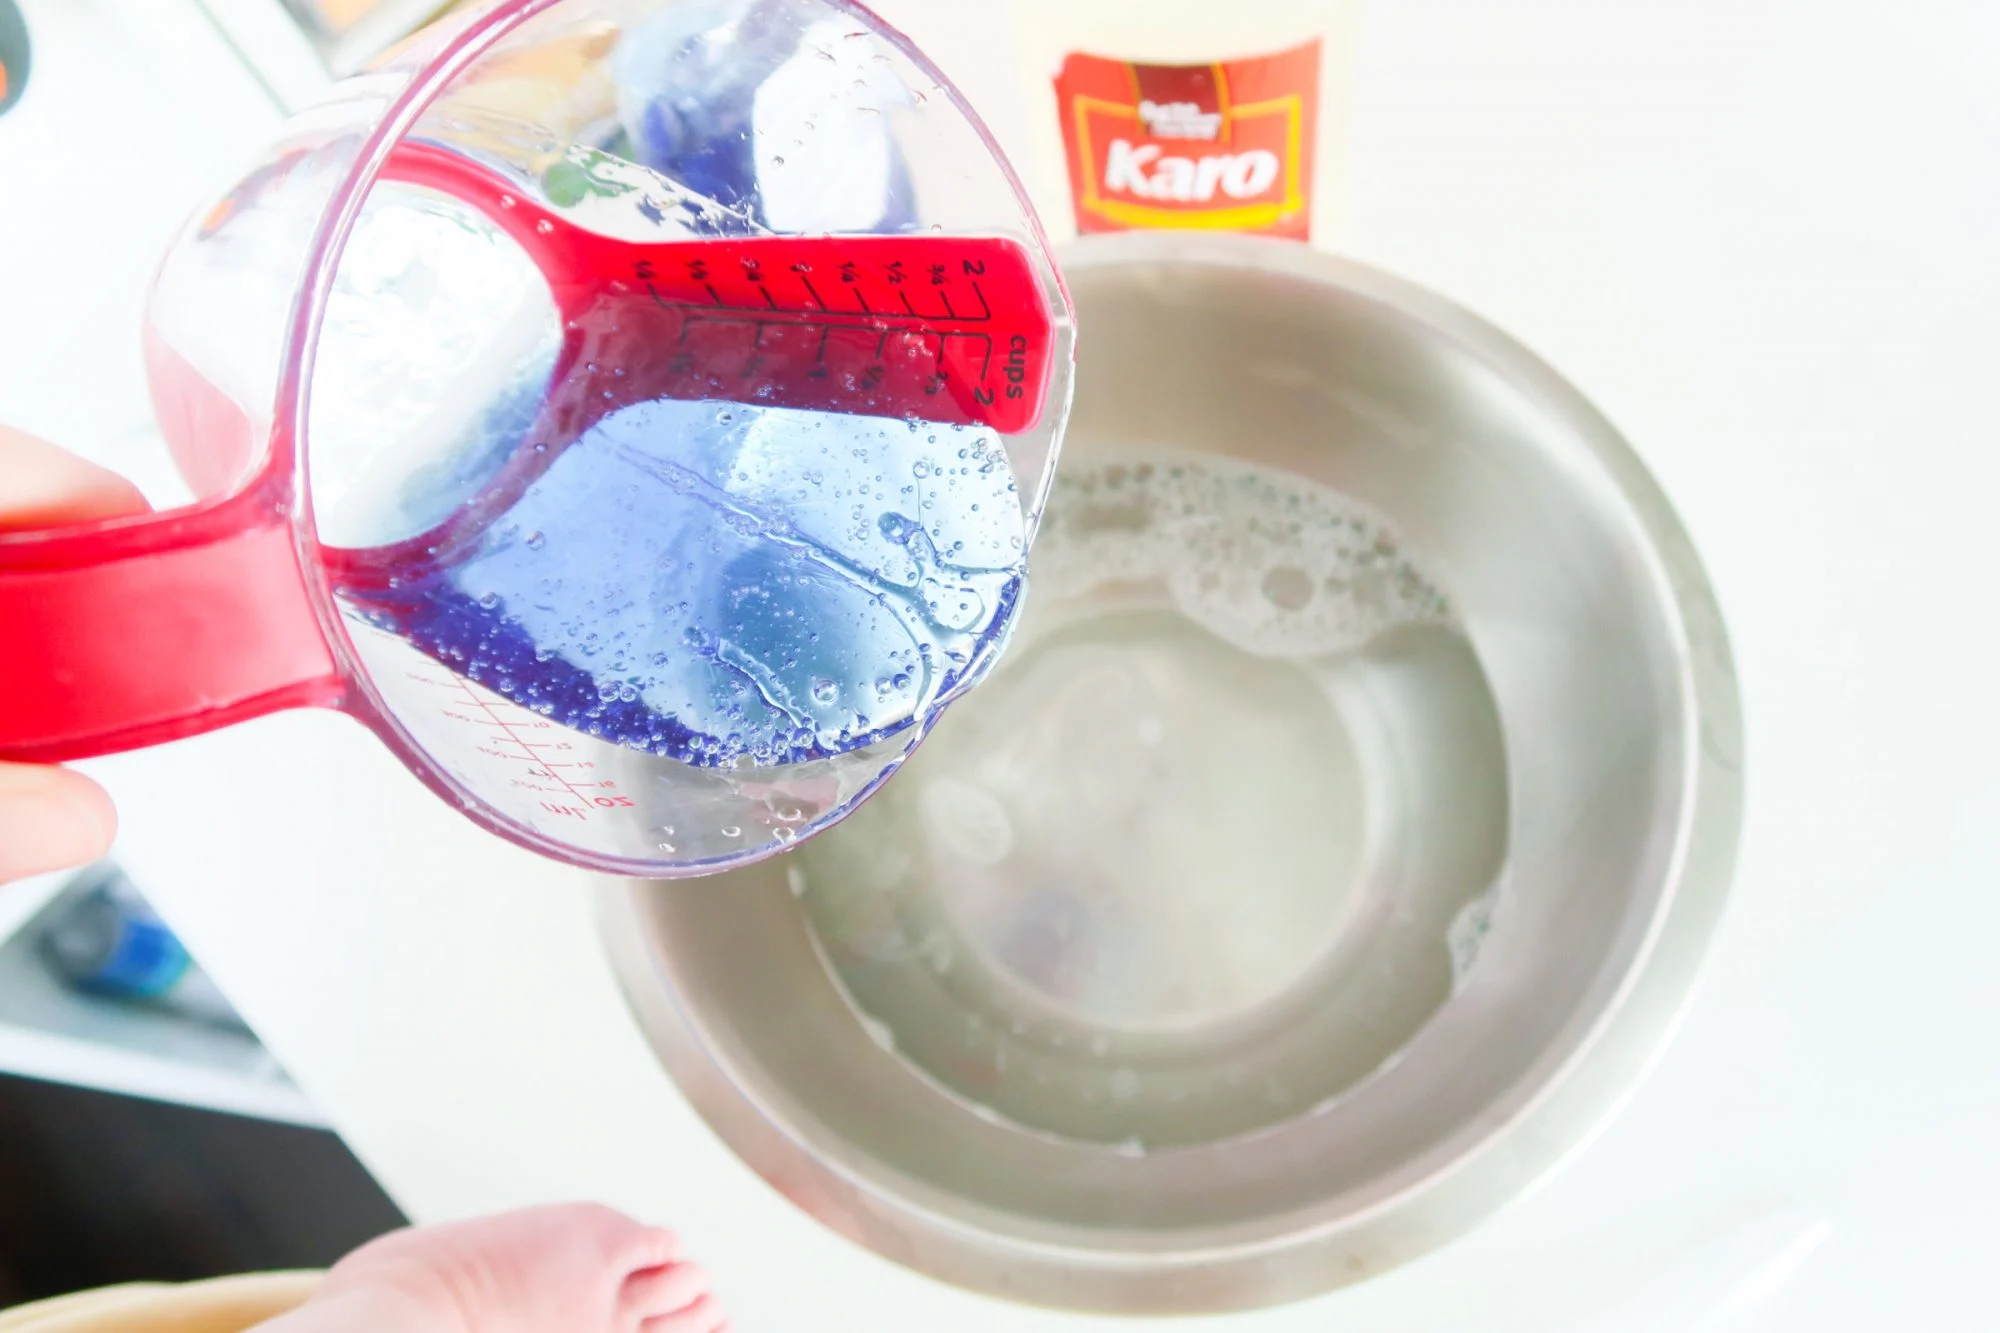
<point x="1117" y="1003"/>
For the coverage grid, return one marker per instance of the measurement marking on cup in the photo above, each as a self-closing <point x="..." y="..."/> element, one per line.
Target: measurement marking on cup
<point x="622" y="297"/>
<point x="585" y="796"/>
<point x="746" y="327"/>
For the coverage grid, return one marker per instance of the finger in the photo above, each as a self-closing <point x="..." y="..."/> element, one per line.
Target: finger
<point x="663" y="1291"/>
<point x="51" y="819"/>
<point x="42" y="486"/>
<point x="653" y="1247"/>
<point x="704" y="1316"/>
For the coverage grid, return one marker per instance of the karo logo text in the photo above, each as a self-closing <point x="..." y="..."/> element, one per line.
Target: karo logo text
<point x="1142" y="171"/>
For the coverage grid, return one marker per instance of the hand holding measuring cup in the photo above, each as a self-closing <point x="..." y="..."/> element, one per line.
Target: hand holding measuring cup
<point x="51" y="818"/>
<point x="636" y="413"/>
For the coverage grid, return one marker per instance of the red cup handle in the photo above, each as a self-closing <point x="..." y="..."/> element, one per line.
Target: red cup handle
<point x="126" y="633"/>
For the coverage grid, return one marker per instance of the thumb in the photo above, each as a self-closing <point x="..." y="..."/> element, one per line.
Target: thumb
<point x="51" y="819"/>
<point x="42" y="486"/>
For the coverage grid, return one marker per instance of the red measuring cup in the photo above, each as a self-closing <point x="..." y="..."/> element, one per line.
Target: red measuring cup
<point x="440" y="531"/>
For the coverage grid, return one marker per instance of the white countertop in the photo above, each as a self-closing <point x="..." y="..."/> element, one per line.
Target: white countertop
<point x="1763" y="238"/>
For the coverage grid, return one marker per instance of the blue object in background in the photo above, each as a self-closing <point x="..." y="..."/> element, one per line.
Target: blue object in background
<point x="721" y="95"/>
<point x="104" y="938"/>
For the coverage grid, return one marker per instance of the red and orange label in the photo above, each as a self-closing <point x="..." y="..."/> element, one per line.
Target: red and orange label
<point x="1226" y="145"/>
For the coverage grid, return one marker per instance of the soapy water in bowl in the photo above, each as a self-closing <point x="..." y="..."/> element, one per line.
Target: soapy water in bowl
<point x="1146" y="834"/>
<point x="1265" y="561"/>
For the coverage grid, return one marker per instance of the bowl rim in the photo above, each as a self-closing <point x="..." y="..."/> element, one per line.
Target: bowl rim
<point x="1548" y="1116"/>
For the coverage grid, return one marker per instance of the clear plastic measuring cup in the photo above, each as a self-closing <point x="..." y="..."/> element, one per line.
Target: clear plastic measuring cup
<point x="635" y="411"/>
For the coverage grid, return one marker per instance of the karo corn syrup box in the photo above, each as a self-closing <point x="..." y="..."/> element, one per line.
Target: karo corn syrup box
<point x="1226" y="145"/>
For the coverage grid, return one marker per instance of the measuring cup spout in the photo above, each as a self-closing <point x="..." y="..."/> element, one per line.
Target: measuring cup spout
<point x="126" y="633"/>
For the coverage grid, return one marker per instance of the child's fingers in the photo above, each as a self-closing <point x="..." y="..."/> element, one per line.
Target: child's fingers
<point x="42" y="486"/>
<point x="652" y="1247"/>
<point x="50" y="819"/>
<point x="662" y="1291"/>
<point x="704" y="1316"/>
